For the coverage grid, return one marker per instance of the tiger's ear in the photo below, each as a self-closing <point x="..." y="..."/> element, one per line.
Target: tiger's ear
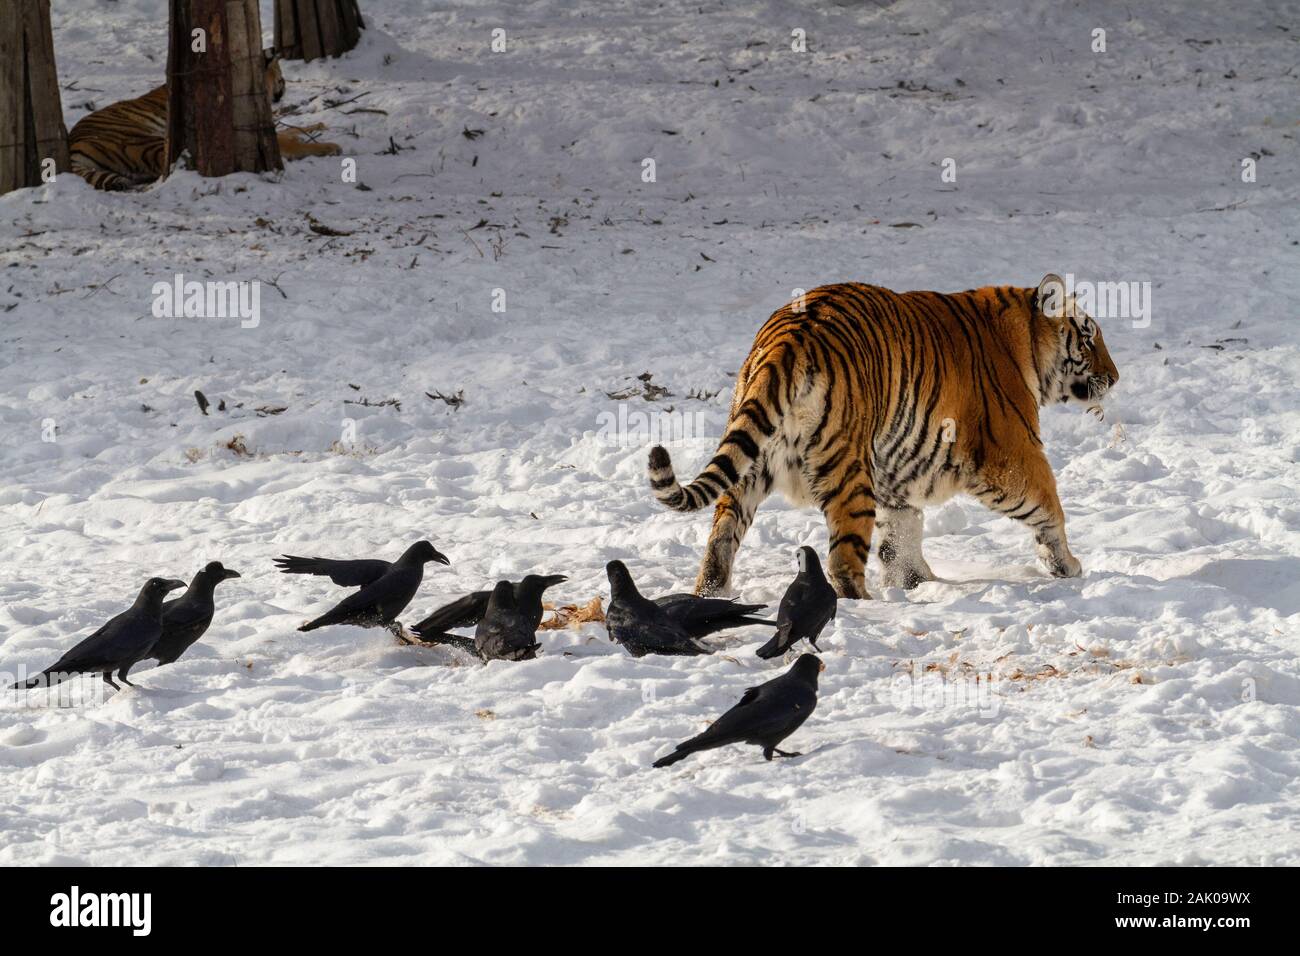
<point x="1050" y="297"/>
<point x="270" y="55"/>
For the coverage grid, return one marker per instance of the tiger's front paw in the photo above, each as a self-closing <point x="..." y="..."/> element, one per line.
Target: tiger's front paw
<point x="1057" y="559"/>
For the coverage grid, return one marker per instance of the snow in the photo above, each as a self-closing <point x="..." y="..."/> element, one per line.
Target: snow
<point x="1146" y="713"/>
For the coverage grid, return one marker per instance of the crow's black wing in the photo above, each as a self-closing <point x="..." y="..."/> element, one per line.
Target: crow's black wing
<point x="347" y="574"/>
<point x="770" y="711"/>
<point x="462" y="612"/>
<point x="797" y="595"/>
<point x="183" y="623"/>
<point x="683" y="607"/>
<point x="182" y="613"/>
<point x="700" y="617"/>
<point x="385" y="598"/>
<point x="126" y="637"/>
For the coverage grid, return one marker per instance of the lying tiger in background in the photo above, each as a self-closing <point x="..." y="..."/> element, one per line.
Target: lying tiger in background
<point x="872" y="404"/>
<point x="124" y="145"/>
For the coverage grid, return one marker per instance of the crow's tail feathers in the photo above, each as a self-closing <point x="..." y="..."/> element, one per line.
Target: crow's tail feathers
<point x="778" y="645"/>
<point x="450" y="640"/>
<point x="672" y="758"/>
<point x="684" y="750"/>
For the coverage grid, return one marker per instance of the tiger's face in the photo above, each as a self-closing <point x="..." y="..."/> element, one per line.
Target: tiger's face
<point x="274" y="77"/>
<point x="1084" y="371"/>
<point x="1089" y="370"/>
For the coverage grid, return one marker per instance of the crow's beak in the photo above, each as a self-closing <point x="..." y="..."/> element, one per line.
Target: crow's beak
<point x="231" y="574"/>
<point x="554" y="579"/>
<point x="441" y="558"/>
<point x="173" y="584"/>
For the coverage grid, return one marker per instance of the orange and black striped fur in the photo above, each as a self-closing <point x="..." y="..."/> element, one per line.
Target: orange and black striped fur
<point x="124" y="145"/>
<point x="872" y="404"/>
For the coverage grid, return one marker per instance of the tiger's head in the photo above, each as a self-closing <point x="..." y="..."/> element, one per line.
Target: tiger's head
<point x="1079" y="368"/>
<point x="274" y="78"/>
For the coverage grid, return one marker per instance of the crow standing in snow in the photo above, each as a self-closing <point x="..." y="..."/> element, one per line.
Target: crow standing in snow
<point x="186" y="619"/>
<point x="469" y="610"/>
<point x="672" y="624"/>
<point x="117" y="646"/>
<point x="507" y="631"/>
<point x="806" y="608"/>
<point x="386" y="589"/>
<point x="765" y="716"/>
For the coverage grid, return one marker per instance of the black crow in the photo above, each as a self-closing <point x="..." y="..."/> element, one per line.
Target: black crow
<point x="765" y="716"/>
<point x="469" y="610"/>
<point x="117" y="646"/>
<point x="506" y="632"/>
<point x="185" y="619"/>
<point x="672" y="624"/>
<point x="386" y="589"/>
<point x="807" y="607"/>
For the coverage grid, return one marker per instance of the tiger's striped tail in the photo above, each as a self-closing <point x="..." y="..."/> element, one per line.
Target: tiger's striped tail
<point x="755" y="421"/>
<point x="110" y="181"/>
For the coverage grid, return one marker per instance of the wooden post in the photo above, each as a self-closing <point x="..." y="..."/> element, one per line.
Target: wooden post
<point x="31" y="112"/>
<point x="310" y="29"/>
<point x="218" y="106"/>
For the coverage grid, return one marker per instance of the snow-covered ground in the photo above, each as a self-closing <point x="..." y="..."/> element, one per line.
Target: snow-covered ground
<point x="1146" y="713"/>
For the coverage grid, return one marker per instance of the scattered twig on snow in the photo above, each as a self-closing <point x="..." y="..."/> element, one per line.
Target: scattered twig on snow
<point x="455" y="401"/>
<point x="102" y="285"/>
<point x="647" y="390"/>
<point x="321" y="229"/>
<point x="274" y="284"/>
<point x="396" y="403"/>
<point x="335" y="104"/>
<point x="472" y="242"/>
<point x="1231" y="205"/>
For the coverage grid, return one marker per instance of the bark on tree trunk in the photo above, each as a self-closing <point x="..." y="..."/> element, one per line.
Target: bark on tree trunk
<point x="218" y="106"/>
<point x="31" y="112"/>
<point x="310" y="29"/>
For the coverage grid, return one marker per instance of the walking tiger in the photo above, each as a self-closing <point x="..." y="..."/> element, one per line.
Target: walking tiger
<point x="872" y="404"/>
<point x="124" y="145"/>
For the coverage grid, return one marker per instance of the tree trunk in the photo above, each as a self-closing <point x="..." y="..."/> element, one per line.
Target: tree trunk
<point x="218" y="106"/>
<point x="31" y="113"/>
<point x="310" y="29"/>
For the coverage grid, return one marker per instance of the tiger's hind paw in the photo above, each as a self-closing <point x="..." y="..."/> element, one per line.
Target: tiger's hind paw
<point x="850" y="587"/>
<point x="906" y="577"/>
<point x="1067" y="566"/>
